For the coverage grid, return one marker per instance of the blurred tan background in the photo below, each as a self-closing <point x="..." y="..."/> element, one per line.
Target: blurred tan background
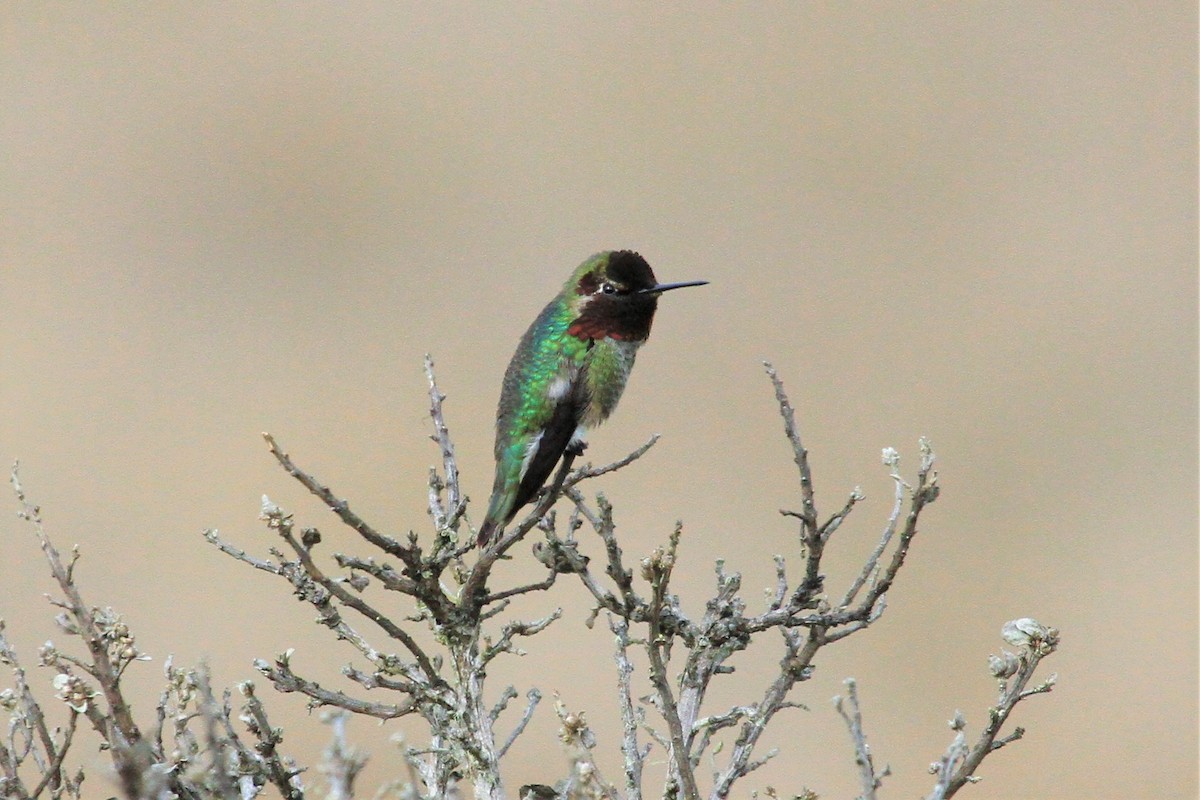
<point x="974" y="222"/>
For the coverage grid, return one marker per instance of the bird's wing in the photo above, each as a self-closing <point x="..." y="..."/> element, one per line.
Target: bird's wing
<point x="547" y="449"/>
<point x="540" y="407"/>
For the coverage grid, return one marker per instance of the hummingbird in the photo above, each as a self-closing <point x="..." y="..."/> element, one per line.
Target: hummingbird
<point x="568" y="373"/>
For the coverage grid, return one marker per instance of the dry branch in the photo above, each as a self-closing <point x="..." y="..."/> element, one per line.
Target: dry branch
<point x="428" y="617"/>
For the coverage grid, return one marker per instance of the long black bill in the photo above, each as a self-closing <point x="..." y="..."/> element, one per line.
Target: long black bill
<point x="666" y="287"/>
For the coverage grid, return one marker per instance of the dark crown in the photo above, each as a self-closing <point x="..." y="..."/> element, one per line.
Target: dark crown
<point x="630" y="270"/>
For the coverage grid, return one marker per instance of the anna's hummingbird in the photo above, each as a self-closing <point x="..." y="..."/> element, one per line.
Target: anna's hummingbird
<point x="568" y="374"/>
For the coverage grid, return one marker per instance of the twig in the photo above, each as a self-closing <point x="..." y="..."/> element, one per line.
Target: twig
<point x="218" y="745"/>
<point x="957" y="766"/>
<point x="534" y="697"/>
<point x="286" y="780"/>
<point x="587" y="471"/>
<point x="448" y="518"/>
<point x="872" y="563"/>
<point x="563" y="483"/>
<point x="280" y="674"/>
<point x="518" y="628"/>
<point x="799" y="453"/>
<point x="214" y="538"/>
<point x="339" y="507"/>
<point x="131" y="759"/>
<point x="925" y="492"/>
<point x="283" y="524"/>
<point x="342" y="763"/>
<point x="871" y="780"/>
<point x="473" y="593"/>
<point x="831" y="525"/>
<point x="34" y="719"/>
<point x="657" y="569"/>
<point x="585" y="775"/>
<point x="810" y="534"/>
<point x="635" y="757"/>
<point x="391" y="580"/>
<point x="529" y="587"/>
<point x="794" y="666"/>
<point x="53" y="771"/>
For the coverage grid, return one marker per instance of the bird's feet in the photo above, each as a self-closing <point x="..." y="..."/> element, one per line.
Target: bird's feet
<point x="576" y="447"/>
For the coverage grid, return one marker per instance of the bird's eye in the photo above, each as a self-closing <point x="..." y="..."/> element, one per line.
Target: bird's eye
<point x="608" y="288"/>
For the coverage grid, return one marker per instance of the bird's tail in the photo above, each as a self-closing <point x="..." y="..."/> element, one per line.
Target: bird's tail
<point x="489" y="531"/>
<point x="500" y="511"/>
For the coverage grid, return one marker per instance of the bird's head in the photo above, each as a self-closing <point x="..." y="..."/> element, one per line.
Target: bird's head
<point x="615" y="294"/>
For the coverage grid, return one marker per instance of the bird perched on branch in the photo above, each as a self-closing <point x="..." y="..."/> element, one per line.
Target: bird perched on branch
<point x="568" y="373"/>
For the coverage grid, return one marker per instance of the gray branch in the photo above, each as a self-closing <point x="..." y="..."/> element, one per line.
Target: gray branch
<point x="958" y="764"/>
<point x="871" y="779"/>
<point x="458" y="619"/>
